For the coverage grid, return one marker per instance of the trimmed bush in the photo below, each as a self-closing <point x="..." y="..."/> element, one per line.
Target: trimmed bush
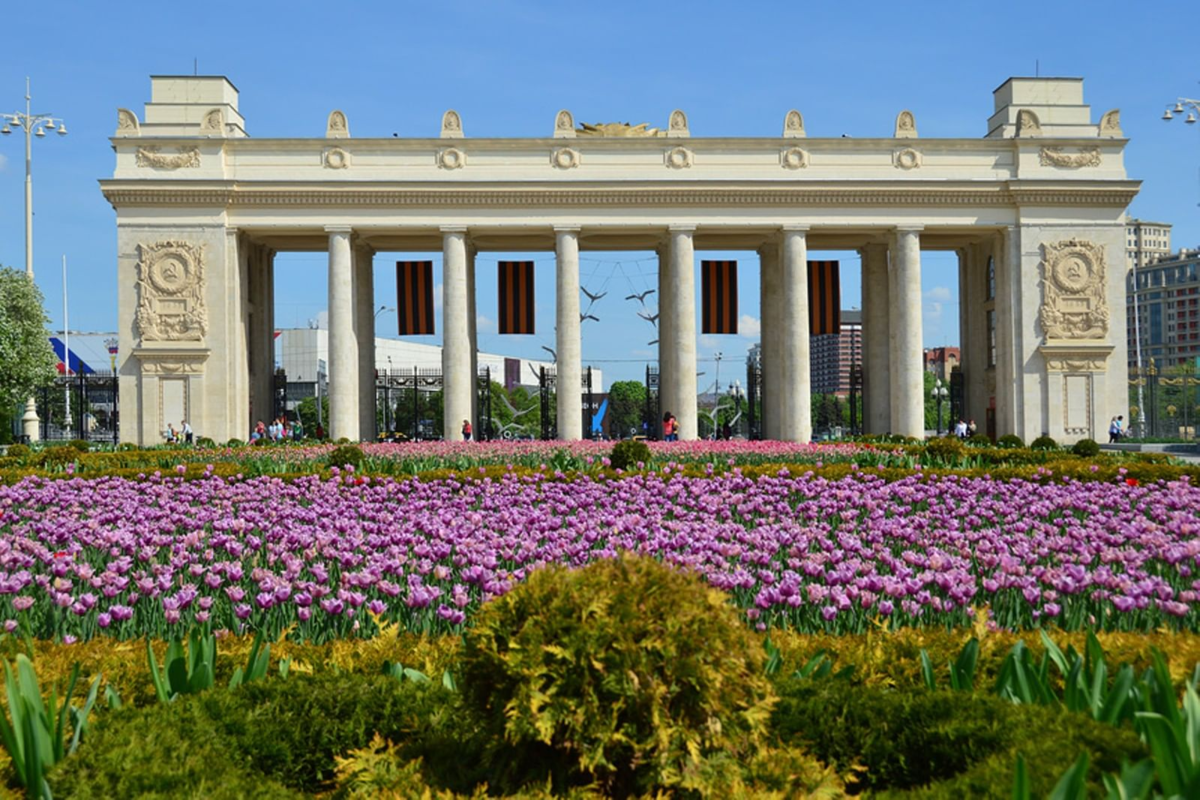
<point x="1010" y="440"/>
<point x="277" y="738"/>
<point x="233" y="444"/>
<point x="944" y="744"/>
<point x="205" y="442"/>
<point x="1086" y="448"/>
<point x="54" y="458"/>
<point x="980" y="440"/>
<point x="80" y="444"/>
<point x="19" y="451"/>
<point x="126" y="447"/>
<point x="347" y="455"/>
<point x="627" y="675"/>
<point x="628" y="454"/>
<point x="1043" y="443"/>
<point x="947" y="450"/>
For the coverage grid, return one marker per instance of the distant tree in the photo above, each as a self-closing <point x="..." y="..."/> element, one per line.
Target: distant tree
<point x="306" y="409"/>
<point x="27" y="361"/>
<point x="626" y="402"/>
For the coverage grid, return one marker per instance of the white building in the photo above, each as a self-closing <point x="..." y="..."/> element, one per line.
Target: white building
<point x="1146" y="242"/>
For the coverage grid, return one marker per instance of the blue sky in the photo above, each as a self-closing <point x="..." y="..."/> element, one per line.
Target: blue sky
<point x="509" y="66"/>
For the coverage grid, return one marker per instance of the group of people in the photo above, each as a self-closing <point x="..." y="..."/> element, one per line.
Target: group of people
<point x="1116" y="429"/>
<point x="964" y="429"/>
<point x="181" y="435"/>
<point x="279" y="430"/>
<point x="670" y="432"/>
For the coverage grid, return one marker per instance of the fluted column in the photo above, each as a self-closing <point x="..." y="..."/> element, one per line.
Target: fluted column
<point x="472" y="323"/>
<point x="877" y="380"/>
<point x="796" y="417"/>
<point x="666" y="345"/>
<point x="1009" y="377"/>
<point x="457" y="382"/>
<point x="907" y="371"/>
<point x="343" y="348"/>
<point x="682" y="332"/>
<point x="568" y="342"/>
<point x="771" y="337"/>
<point x="364" y="332"/>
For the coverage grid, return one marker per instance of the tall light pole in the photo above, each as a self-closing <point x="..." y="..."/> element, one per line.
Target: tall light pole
<point x="939" y="392"/>
<point x="33" y="125"/>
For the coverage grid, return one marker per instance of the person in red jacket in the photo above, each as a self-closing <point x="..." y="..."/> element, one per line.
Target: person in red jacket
<point x="466" y="430"/>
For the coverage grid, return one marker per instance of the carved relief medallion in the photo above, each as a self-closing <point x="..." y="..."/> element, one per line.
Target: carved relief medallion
<point x="182" y="158"/>
<point x="793" y="158"/>
<point x="1055" y="157"/>
<point x="793" y="125"/>
<point x="213" y="123"/>
<point x="1110" y="125"/>
<point x="127" y="123"/>
<point x="906" y="159"/>
<point x="906" y="125"/>
<point x="1074" y="293"/>
<point x="170" y="287"/>
<point x="451" y="158"/>
<point x="564" y="125"/>
<point x="565" y="158"/>
<point x="1028" y="123"/>
<point x="335" y="158"/>
<point x="337" y="126"/>
<point x="678" y="158"/>
<point x="452" y="125"/>
<point x="677" y="125"/>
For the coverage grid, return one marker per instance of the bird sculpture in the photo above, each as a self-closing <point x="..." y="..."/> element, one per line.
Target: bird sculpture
<point x="552" y="352"/>
<point x="592" y="297"/>
<point x="651" y="318"/>
<point x="640" y="297"/>
<point x="592" y="317"/>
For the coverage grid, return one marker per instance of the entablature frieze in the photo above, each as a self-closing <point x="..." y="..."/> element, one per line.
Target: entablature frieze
<point x="1003" y="194"/>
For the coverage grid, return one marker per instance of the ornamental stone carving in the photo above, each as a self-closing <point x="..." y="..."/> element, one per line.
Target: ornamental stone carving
<point x="793" y="125"/>
<point x="1110" y="125"/>
<point x="170" y="289"/>
<point x="678" y="158"/>
<point x="1055" y="157"/>
<point x="906" y="159"/>
<point x="793" y="158"/>
<point x="678" y="124"/>
<point x="451" y="158"/>
<point x="564" y="125"/>
<point x="180" y="366"/>
<point x="335" y="158"/>
<point x="906" y="125"/>
<point x="565" y="158"/>
<point x="452" y="125"/>
<point x="1028" y="123"/>
<point x="337" y="126"/>
<point x="127" y="123"/>
<point x="182" y="158"/>
<point x="618" y="130"/>
<point x="1068" y="364"/>
<point x="1074" y="294"/>
<point x="213" y="123"/>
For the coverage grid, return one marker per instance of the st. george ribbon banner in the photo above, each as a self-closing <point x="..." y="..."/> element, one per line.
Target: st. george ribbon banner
<point x="824" y="298"/>
<point x="515" y="281"/>
<point x="414" y="297"/>
<point x="719" y="297"/>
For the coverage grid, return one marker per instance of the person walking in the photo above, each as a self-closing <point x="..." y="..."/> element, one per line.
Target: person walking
<point x="971" y="429"/>
<point x="186" y="430"/>
<point x="466" y="430"/>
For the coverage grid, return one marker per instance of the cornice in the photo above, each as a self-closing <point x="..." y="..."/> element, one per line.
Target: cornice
<point x="208" y="194"/>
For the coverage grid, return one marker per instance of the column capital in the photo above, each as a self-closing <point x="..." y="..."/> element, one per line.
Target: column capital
<point x="566" y="229"/>
<point x="907" y="228"/>
<point x="339" y="229"/>
<point x="453" y="229"/>
<point x="682" y="228"/>
<point x="795" y="228"/>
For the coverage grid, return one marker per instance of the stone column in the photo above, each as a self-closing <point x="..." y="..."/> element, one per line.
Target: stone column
<point x="472" y="322"/>
<point x="682" y="332"/>
<point x="261" y="335"/>
<point x="770" y="337"/>
<point x="877" y="381"/>
<point x="796" y="417"/>
<point x="907" y="373"/>
<point x="457" y="381"/>
<point x="343" y="347"/>
<point x="364" y="331"/>
<point x="1009" y="386"/>
<point x="568" y="340"/>
<point x="666" y="345"/>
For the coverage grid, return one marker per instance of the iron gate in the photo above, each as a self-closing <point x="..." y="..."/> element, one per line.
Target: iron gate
<point x="82" y="406"/>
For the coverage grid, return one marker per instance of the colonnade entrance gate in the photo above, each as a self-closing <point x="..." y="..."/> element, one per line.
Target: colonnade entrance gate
<point x="1034" y="211"/>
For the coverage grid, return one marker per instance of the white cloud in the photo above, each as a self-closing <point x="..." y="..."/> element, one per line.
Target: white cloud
<point x="484" y="325"/>
<point x="749" y="326"/>
<point x="940" y="294"/>
<point x="437" y="295"/>
<point x="710" y="341"/>
<point x="932" y="310"/>
<point x="3" y="162"/>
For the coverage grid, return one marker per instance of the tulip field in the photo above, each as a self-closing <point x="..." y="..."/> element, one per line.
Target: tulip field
<point x="332" y="555"/>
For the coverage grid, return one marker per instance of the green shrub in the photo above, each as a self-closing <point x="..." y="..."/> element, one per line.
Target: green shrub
<point x="275" y="738"/>
<point x="980" y="440"/>
<point x="126" y="447"/>
<point x="1010" y="440"/>
<point x="1043" y="442"/>
<point x="1086" y="448"/>
<point x="947" y="450"/>
<point x="57" y="457"/>
<point x="626" y="674"/>
<point x="628" y="454"/>
<point x="347" y="455"/>
<point x="342" y="441"/>
<point x="235" y="443"/>
<point x="943" y="744"/>
<point x="19" y="451"/>
<point x="206" y="442"/>
<point x="80" y="444"/>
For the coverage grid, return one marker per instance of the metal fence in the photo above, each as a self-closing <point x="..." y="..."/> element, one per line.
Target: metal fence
<point x="82" y="406"/>
<point x="1164" y="403"/>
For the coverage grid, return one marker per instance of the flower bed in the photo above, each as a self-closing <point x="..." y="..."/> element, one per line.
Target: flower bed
<point x="326" y="557"/>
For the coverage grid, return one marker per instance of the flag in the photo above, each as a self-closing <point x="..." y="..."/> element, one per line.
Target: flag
<point x="414" y="297"/>
<point x="718" y="290"/>
<point x="516" y="296"/>
<point x="824" y="298"/>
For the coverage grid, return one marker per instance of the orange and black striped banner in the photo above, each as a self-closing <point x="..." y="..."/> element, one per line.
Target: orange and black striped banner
<point x="516" y="296"/>
<point x="719" y="297"/>
<point x="414" y="297"/>
<point x="824" y="298"/>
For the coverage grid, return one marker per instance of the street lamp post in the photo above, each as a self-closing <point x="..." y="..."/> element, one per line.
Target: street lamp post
<point x="939" y="391"/>
<point x="33" y="125"/>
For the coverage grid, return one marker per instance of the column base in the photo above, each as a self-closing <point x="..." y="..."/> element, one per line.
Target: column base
<point x="30" y="424"/>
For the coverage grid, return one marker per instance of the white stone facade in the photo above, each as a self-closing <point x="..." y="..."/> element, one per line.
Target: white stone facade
<point x="202" y="208"/>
